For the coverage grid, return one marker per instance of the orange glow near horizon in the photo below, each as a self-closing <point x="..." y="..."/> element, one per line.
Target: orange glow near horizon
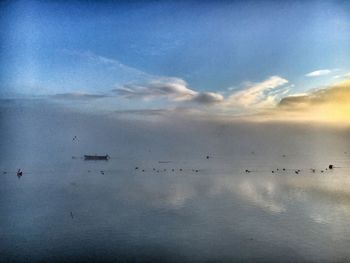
<point x="330" y="105"/>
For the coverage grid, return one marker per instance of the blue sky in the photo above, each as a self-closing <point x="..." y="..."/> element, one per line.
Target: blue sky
<point x="55" y="47"/>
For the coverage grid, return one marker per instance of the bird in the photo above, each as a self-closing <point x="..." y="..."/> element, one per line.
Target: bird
<point x="19" y="173"/>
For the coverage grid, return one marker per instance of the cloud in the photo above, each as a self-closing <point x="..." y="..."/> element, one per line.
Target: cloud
<point x="261" y="94"/>
<point x="343" y="76"/>
<point x="331" y="104"/>
<point x="153" y="87"/>
<point x="156" y="87"/>
<point x="170" y="88"/>
<point x="208" y="98"/>
<point x="337" y="94"/>
<point x="174" y="89"/>
<point x="318" y="73"/>
<point x="111" y="62"/>
<point x="78" y="96"/>
<point x="159" y="112"/>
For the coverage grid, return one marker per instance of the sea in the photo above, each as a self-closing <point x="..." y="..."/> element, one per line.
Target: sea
<point x="175" y="189"/>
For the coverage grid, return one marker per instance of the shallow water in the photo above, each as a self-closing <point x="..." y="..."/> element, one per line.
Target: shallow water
<point x="64" y="209"/>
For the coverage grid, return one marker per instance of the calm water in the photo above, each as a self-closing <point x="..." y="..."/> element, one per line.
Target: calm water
<point x="64" y="209"/>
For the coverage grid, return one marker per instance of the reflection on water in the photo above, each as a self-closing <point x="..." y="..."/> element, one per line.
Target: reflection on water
<point x="63" y="209"/>
<point x="178" y="215"/>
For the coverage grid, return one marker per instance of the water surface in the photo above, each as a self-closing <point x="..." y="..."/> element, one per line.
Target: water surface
<point x="64" y="209"/>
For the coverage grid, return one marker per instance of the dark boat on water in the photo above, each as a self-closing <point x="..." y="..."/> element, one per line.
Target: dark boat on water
<point x="96" y="157"/>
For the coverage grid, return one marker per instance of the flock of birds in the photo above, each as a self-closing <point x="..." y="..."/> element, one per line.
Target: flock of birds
<point x="297" y="171"/>
<point x="277" y="170"/>
<point x="19" y="172"/>
<point x="165" y="169"/>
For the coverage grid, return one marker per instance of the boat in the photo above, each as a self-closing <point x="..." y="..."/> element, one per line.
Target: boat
<point x="96" y="157"/>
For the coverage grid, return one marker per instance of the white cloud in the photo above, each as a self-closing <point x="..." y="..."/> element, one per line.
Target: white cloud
<point x="260" y="94"/>
<point x="174" y="89"/>
<point x="344" y="76"/>
<point x="318" y="73"/>
<point x="111" y="62"/>
<point x="151" y="87"/>
<point x="170" y="88"/>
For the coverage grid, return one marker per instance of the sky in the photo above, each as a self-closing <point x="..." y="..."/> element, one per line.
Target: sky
<point x="269" y="59"/>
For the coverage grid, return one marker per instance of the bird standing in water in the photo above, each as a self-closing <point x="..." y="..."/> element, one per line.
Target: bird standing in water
<point x="19" y="173"/>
